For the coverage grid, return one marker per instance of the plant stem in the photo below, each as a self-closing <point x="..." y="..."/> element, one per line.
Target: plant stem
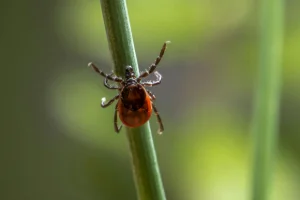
<point x="266" y="113"/>
<point x="145" y="166"/>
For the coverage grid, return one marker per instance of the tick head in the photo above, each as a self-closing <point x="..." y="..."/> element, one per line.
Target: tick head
<point x="129" y="73"/>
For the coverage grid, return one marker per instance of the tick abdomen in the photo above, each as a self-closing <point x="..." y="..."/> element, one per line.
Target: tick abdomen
<point x="134" y="106"/>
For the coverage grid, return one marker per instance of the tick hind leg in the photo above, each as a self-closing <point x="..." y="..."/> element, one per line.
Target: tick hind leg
<point x="151" y="95"/>
<point x="104" y="105"/>
<point x="156" y="62"/>
<point x="117" y="128"/>
<point x="161" y="126"/>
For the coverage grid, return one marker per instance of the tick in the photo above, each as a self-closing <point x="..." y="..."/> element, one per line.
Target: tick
<point x="135" y="102"/>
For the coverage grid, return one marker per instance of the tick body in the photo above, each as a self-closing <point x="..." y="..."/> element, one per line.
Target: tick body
<point x="135" y="103"/>
<point x="135" y="106"/>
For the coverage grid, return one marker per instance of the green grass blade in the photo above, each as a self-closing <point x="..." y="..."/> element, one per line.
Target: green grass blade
<point x="145" y="167"/>
<point x="266" y="111"/>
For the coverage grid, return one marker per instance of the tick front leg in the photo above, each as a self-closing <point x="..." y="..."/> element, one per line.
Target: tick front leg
<point x="156" y="62"/>
<point x="104" y="105"/>
<point x="161" y="126"/>
<point x="117" y="128"/>
<point x="153" y="83"/>
<point x="100" y="72"/>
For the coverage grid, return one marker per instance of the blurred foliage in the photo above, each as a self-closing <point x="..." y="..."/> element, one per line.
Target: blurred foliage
<point x="57" y="143"/>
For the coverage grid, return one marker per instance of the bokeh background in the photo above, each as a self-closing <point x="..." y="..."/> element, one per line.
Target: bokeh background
<point x="56" y="141"/>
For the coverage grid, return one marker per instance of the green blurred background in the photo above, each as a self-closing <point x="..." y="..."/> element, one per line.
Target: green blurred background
<point x="58" y="143"/>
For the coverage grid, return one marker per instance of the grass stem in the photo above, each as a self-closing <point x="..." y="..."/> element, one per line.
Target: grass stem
<point x="266" y="113"/>
<point x="145" y="166"/>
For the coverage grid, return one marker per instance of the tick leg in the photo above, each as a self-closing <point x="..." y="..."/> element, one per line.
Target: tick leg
<point x="117" y="128"/>
<point x="156" y="62"/>
<point x="104" y="105"/>
<point x="109" y="77"/>
<point x="106" y="84"/>
<point x="151" y="95"/>
<point x="161" y="126"/>
<point x="152" y="83"/>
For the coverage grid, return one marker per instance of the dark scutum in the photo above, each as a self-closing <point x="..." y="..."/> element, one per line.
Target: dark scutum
<point x="133" y="96"/>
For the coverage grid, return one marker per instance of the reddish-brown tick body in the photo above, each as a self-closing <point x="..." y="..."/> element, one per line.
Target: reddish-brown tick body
<point x="134" y="106"/>
<point x="135" y="102"/>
